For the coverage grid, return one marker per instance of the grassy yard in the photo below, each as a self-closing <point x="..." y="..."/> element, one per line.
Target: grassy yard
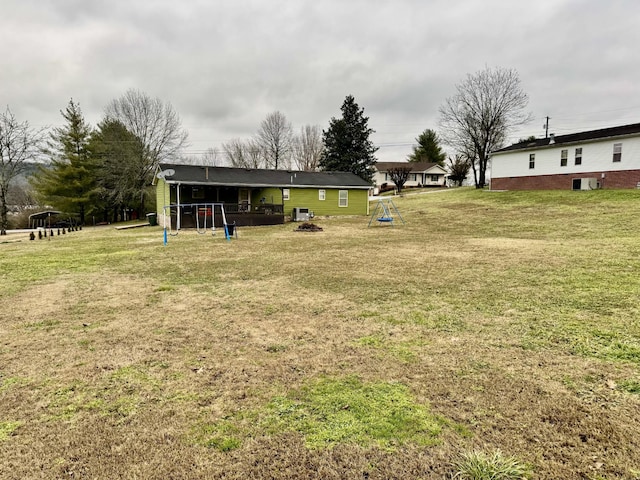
<point x="490" y="324"/>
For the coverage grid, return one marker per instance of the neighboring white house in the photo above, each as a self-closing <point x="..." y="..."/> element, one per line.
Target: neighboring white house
<point x="423" y="174"/>
<point x="605" y="158"/>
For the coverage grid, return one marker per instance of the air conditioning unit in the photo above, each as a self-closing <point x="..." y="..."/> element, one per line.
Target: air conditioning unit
<point x="585" y="184"/>
<point x="588" y="184"/>
<point x="300" y="214"/>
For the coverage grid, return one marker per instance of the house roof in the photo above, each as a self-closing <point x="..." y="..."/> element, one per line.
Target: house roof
<point x="415" y="166"/>
<point x="554" y="141"/>
<point x="45" y="214"/>
<point x="249" y="177"/>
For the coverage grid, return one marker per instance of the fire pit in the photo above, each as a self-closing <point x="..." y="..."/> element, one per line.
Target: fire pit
<point x="308" y="227"/>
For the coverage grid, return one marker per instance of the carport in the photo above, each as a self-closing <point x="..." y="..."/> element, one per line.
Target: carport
<point x="43" y="219"/>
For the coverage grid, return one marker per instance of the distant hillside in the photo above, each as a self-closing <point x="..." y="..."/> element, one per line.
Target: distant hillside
<point x="29" y="170"/>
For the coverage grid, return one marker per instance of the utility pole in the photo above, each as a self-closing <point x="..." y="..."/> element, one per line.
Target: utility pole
<point x="546" y="127"/>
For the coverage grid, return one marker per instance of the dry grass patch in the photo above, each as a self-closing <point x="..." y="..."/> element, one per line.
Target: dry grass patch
<point x="488" y="322"/>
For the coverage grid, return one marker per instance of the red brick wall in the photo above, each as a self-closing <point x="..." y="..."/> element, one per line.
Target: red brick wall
<point x="613" y="179"/>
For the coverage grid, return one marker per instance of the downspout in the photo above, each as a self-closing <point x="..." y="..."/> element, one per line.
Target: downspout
<point x="178" y="210"/>
<point x="368" y="203"/>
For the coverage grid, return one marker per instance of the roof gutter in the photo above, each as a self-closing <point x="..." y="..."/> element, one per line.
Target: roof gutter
<point x="263" y="185"/>
<point x="556" y="143"/>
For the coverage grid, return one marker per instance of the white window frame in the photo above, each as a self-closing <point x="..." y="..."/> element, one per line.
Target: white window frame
<point x="532" y="161"/>
<point x="286" y="194"/>
<point x="322" y="194"/>
<point x="564" y="157"/>
<point x="617" y="152"/>
<point x="343" y="198"/>
<point x="578" y="159"/>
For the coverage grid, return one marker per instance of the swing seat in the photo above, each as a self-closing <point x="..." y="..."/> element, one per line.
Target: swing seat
<point x="385" y="219"/>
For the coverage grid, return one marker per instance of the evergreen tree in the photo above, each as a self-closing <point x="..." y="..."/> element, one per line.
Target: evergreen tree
<point x="121" y="178"/>
<point x="347" y="146"/>
<point x="69" y="182"/>
<point x="428" y="149"/>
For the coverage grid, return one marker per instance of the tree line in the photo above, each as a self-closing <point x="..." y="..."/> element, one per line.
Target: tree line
<point x="275" y="145"/>
<point x="91" y="171"/>
<point x="106" y="170"/>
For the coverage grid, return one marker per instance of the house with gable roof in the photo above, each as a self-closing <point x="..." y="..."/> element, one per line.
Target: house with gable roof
<point x="254" y="196"/>
<point x="422" y="174"/>
<point x="604" y="158"/>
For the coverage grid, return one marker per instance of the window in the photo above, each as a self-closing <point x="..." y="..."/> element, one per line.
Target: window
<point x="617" y="152"/>
<point x="285" y="194"/>
<point x="435" y="178"/>
<point x="415" y="177"/>
<point x="532" y="160"/>
<point x="322" y="194"/>
<point x="197" y="193"/>
<point x="579" y="156"/>
<point x="343" y="198"/>
<point x="564" y="154"/>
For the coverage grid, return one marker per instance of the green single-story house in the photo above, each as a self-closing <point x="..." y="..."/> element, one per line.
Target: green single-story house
<point x="254" y="196"/>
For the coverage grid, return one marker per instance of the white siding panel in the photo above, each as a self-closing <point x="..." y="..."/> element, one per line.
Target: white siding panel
<point x="596" y="156"/>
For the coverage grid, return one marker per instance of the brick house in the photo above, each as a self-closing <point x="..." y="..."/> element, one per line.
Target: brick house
<point x="604" y="158"/>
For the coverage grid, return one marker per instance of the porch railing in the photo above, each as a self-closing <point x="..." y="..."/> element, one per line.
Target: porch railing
<point x="260" y="209"/>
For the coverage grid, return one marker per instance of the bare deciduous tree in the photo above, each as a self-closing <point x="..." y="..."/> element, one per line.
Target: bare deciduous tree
<point x="479" y="116"/>
<point x="458" y="169"/>
<point x="244" y="153"/>
<point x="21" y="196"/>
<point x="399" y="176"/>
<point x="307" y="148"/>
<point x="275" y="138"/>
<point x="156" y="124"/>
<point x="210" y="157"/>
<point x="19" y="144"/>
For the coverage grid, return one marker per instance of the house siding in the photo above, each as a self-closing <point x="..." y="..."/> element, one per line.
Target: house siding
<point x="358" y="203"/>
<point x="271" y="195"/>
<point x="510" y="170"/>
<point x="162" y="194"/>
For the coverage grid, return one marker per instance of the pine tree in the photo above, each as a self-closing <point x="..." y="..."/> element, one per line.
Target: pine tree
<point x="428" y="149"/>
<point x="347" y="144"/>
<point x="121" y="177"/>
<point x="69" y="182"/>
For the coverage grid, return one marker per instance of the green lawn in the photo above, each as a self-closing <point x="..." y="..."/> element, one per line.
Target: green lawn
<point x="490" y="322"/>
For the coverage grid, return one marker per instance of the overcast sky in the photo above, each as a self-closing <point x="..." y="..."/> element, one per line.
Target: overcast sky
<point x="225" y="65"/>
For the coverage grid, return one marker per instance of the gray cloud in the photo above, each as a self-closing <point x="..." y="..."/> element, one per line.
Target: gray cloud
<point x="224" y="66"/>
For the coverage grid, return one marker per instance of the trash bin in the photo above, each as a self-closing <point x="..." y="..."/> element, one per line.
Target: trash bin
<point x="152" y="218"/>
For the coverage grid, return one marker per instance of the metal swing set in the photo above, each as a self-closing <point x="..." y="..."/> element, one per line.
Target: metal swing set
<point x="202" y="209"/>
<point x="382" y="212"/>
